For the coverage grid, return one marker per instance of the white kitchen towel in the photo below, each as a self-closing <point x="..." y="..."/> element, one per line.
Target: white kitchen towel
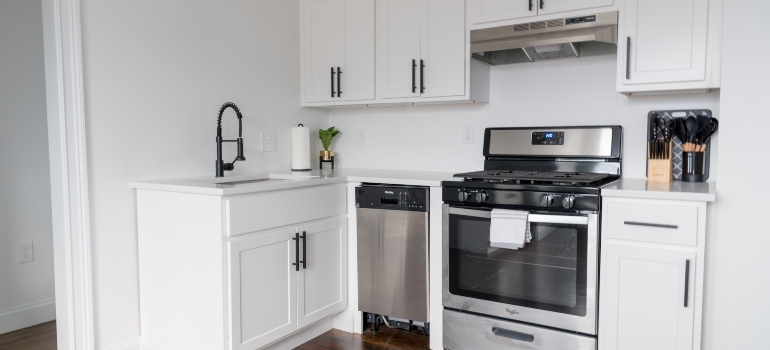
<point x="509" y="229"/>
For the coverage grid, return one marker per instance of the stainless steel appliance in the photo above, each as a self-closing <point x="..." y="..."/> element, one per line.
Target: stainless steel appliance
<point x="544" y="295"/>
<point x="393" y="251"/>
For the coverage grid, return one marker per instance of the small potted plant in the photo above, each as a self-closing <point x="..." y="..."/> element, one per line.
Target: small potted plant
<point x="326" y="137"/>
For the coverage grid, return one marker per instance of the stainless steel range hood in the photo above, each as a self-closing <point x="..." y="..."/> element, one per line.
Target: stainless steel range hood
<point x="545" y="40"/>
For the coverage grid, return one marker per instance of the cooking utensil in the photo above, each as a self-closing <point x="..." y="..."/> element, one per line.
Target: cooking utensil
<point x="692" y="129"/>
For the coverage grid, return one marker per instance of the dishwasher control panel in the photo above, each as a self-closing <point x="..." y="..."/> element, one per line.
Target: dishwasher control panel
<point x="405" y="198"/>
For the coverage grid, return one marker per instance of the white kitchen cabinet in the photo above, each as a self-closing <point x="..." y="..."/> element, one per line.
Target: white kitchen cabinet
<point x="337" y="50"/>
<point x="322" y="280"/>
<point x="218" y="272"/>
<point x="666" y="45"/>
<point x="486" y="11"/>
<point x="651" y="275"/>
<point x="420" y="48"/>
<point x="545" y="7"/>
<point x="492" y="13"/>
<point x="650" y="294"/>
<point x="263" y="289"/>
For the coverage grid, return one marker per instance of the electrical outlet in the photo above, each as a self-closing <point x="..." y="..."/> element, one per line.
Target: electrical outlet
<point x="268" y="141"/>
<point x="466" y="133"/>
<point x="26" y="252"/>
<point x="361" y="137"/>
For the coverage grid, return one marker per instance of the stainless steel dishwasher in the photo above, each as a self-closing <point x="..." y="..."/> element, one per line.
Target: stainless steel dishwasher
<point x="393" y="251"/>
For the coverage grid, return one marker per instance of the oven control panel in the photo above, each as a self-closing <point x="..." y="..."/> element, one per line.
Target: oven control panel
<point x="548" y="138"/>
<point x="530" y="199"/>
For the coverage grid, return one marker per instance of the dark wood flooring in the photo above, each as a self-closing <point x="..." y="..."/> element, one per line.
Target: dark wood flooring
<point x="40" y="337"/>
<point x="384" y="339"/>
<point x="43" y="337"/>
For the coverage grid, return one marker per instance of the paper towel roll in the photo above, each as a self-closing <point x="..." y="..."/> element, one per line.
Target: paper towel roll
<point x="300" y="148"/>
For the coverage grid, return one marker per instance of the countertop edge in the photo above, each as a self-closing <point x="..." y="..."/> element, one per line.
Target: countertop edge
<point x="681" y="196"/>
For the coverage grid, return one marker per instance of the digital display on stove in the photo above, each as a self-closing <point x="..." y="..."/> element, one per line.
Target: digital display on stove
<point x="548" y="138"/>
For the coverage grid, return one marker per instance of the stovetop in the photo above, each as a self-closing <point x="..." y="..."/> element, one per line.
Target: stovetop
<point x="519" y="177"/>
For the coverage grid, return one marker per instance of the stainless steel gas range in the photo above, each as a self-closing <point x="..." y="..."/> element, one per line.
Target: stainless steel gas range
<point x="545" y="294"/>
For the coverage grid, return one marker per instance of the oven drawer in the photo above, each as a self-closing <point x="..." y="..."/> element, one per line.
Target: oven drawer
<point x="651" y="221"/>
<point x="467" y="331"/>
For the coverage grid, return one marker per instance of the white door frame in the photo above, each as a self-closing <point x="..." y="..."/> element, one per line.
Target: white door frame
<point x="69" y="174"/>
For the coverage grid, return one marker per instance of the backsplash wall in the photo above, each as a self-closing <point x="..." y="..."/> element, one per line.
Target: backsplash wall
<point x="557" y="93"/>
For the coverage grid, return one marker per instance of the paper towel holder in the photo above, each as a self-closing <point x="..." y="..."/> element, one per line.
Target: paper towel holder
<point x="304" y="166"/>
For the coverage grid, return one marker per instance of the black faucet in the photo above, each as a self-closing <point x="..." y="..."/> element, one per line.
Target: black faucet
<point x="222" y="167"/>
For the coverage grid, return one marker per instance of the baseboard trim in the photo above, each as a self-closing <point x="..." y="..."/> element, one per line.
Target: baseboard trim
<point x="131" y="345"/>
<point x="27" y="316"/>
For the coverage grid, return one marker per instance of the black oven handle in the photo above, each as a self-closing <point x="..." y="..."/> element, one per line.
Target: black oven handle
<point x="507" y="333"/>
<point x="537" y="218"/>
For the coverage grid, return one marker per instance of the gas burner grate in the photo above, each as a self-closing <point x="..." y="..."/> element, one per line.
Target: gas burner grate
<point x="534" y="177"/>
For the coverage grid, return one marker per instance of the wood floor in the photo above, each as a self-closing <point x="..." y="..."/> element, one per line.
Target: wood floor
<point x="384" y="339"/>
<point x="43" y="337"/>
<point x="40" y="337"/>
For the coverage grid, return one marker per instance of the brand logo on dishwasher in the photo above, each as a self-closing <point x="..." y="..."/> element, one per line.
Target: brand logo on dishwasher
<point x="389" y="192"/>
<point x="512" y="312"/>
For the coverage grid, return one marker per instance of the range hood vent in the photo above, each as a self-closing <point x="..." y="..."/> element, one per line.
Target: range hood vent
<point x="546" y="40"/>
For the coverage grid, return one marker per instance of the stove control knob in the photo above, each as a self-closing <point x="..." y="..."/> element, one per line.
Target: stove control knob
<point x="568" y="202"/>
<point x="482" y="197"/>
<point x="463" y="195"/>
<point x="546" y="200"/>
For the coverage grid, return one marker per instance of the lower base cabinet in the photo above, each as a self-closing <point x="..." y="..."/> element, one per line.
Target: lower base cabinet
<point x="650" y="293"/>
<point x="285" y="280"/>
<point x="651" y="275"/>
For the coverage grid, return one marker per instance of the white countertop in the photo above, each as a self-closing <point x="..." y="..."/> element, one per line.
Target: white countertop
<point x="284" y="180"/>
<point x="675" y="190"/>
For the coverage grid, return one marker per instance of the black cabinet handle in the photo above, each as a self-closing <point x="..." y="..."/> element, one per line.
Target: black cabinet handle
<point x="634" y="223"/>
<point x="332" y="81"/>
<point x="304" y="250"/>
<point x="339" y="83"/>
<point x="530" y="5"/>
<point x="296" y="250"/>
<point x="686" y="282"/>
<point x="507" y="333"/>
<point x="414" y="83"/>
<point x="541" y="4"/>
<point x="422" y="76"/>
<point x="628" y="58"/>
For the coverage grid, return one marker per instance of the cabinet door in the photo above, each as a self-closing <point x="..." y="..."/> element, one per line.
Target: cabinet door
<point x="263" y="289"/>
<point x="398" y="48"/>
<point x="485" y="11"/>
<point x="649" y="298"/>
<point x="322" y="39"/>
<point x="357" y="55"/>
<point x="663" y="41"/>
<point x="322" y="287"/>
<point x="554" y="6"/>
<point x="443" y="48"/>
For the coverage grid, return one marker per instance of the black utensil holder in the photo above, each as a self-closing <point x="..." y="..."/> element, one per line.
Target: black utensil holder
<point x="693" y="166"/>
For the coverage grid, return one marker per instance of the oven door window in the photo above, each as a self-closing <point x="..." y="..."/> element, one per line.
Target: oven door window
<point x="549" y="273"/>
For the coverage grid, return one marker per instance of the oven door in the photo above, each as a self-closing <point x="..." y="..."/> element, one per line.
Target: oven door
<point x="551" y="281"/>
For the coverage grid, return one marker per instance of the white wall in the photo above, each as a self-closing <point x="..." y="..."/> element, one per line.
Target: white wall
<point x="156" y="73"/>
<point x="25" y="202"/>
<point x="741" y="307"/>
<point x="567" y="92"/>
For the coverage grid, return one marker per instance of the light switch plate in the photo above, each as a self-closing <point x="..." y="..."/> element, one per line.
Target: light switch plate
<point x="268" y="141"/>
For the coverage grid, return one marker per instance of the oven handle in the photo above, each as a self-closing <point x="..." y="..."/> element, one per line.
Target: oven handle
<point x="507" y="333"/>
<point x="538" y="218"/>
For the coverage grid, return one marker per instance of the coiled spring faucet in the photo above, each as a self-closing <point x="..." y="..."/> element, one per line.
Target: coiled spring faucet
<point x="221" y="166"/>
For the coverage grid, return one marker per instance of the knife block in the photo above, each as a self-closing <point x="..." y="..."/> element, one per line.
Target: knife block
<point x="660" y="170"/>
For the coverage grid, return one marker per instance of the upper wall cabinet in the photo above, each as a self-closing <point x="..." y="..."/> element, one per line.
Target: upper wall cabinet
<point x="420" y="48"/>
<point x="669" y="45"/>
<point x="486" y="13"/>
<point x="337" y="50"/>
<point x="422" y="53"/>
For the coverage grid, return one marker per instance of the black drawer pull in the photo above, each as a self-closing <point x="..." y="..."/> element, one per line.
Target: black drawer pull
<point x="507" y="333"/>
<point x="304" y="250"/>
<point x="296" y="250"/>
<point x="647" y="224"/>
<point x="686" y="282"/>
<point x="530" y="5"/>
<point x="332" y="80"/>
<point x="339" y="83"/>
<point x="422" y="77"/>
<point x="414" y="82"/>
<point x="541" y="4"/>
